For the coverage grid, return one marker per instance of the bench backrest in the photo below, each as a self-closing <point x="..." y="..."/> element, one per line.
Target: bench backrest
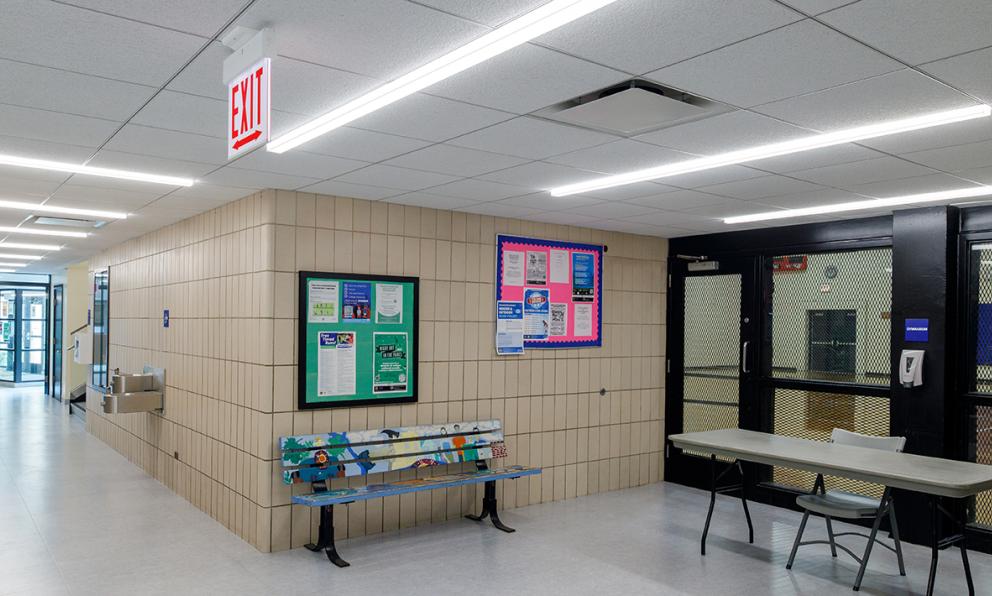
<point x="312" y="458"/>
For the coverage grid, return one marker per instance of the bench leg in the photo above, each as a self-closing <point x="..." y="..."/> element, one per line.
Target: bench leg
<point x="489" y="508"/>
<point x="325" y="537"/>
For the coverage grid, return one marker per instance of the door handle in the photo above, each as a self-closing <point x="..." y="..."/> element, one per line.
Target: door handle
<point x="744" y="367"/>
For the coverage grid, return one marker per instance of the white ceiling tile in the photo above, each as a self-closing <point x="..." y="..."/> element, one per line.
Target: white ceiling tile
<point x="849" y="175"/>
<point x="191" y="203"/>
<point x="527" y="78"/>
<point x="638" y="36"/>
<point x="232" y="176"/>
<point x="960" y="133"/>
<point x="13" y="182"/>
<point x="43" y="150"/>
<point x="909" y="186"/>
<point x="191" y="16"/>
<point x="393" y="177"/>
<point x="531" y="138"/>
<point x="674" y="219"/>
<point x="817" y="158"/>
<point x="620" y="156"/>
<point x="628" y="191"/>
<point x="711" y="177"/>
<point x="814" y="198"/>
<point x="956" y="158"/>
<point x="979" y="175"/>
<point x="203" y="76"/>
<point x="631" y="227"/>
<point x="917" y="31"/>
<point x="539" y="175"/>
<point x="298" y="163"/>
<point x="357" y="191"/>
<point x="796" y="59"/>
<point x="169" y="144"/>
<point x="900" y="94"/>
<point x="54" y="127"/>
<point x="815" y="7"/>
<point x="488" y="13"/>
<point x="724" y="132"/>
<point x="479" y="190"/>
<point x="378" y="38"/>
<point x="363" y="145"/>
<point x="457" y="161"/>
<point x="78" y="195"/>
<point x="97" y="44"/>
<point x="968" y="72"/>
<point x="312" y="89"/>
<point x="499" y="210"/>
<point x="210" y="192"/>
<point x="146" y="163"/>
<point x="679" y="200"/>
<point x="423" y="199"/>
<point x="757" y="188"/>
<point x="545" y="202"/>
<point x="186" y="113"/>
<point x="565" y="218"/>
<point x="613" y="210"/>
<point x="718" y="212"/>
<point x="45" y="88"/>
<point x="422" y="116"/>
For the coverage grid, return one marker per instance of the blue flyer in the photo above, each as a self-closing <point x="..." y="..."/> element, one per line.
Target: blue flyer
<point x="509" y="327"/>
<point x="583" y="277"/>
<point x="537" y="313"/>
<point x="356" y="302"/>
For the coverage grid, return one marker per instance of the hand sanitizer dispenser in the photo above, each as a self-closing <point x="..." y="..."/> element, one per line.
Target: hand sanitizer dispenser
<point x="911" y="368"/>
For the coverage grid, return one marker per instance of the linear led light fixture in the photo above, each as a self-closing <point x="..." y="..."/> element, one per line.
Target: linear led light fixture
<point x="30" y="246"/>
<point x="37" y="232"/>
<point x="8" y="271"/>
<point x="61" y="166"/>
<point x="8" y="255"/>
<point x="817" y="141"/>
<point x="928" y="197"/>
<point x="62" y="210"/>
<point x="550" y="16"/>
<point x="13" y="264"/>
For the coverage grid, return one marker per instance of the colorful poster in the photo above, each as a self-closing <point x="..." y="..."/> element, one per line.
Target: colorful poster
<point x="356" y="301"/>
<point x="390" y="362"/>
<point x="583" y="277"/>
<point x="558" y="266"/>
<point x="509" y="327"/>
<point x="536" y="314"/>
<point x="323" y="300"/>
<point x="537" y="268"/>
<point x="583" y="320"/>
<point x="388" y="303"/>
<point x="335" y="363"/>
<point x="513" y="268"/>
<point x="559" y="319"/>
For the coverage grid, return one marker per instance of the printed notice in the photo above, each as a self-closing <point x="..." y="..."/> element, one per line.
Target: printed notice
<point x="559" y="319"/>
<point x="335" y="363"/>
<point x="583" y="320"/>
<point x="390" y="363"/>
<point x="323" y="300"/>
<point x="388" y="303"/>
<point x="558" y="267"/>
<point x="583" y="278"/>
<point x="537" y="268"/>
<point x="513" y="268"/>
<point x="509" y="327"/>
<point x="536" y="314"/>
<point x="356" y="299"/>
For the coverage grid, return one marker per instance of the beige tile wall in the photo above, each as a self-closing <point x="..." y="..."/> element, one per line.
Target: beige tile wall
<point x="228" y="278"/>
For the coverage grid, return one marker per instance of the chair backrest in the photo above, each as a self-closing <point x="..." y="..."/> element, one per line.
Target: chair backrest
<point x="313" y="458"/>
<point x="846" y="437"/>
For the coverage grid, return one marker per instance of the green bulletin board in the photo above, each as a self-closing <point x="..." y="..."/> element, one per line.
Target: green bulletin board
<point x="357" y="339"/>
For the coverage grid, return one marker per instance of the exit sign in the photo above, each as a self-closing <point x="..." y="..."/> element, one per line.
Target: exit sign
<point x="248" y="109"/>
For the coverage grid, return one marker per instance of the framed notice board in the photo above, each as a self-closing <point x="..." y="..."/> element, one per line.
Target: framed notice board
<point x="559" y="286"/>
<point x="357" y="340"/>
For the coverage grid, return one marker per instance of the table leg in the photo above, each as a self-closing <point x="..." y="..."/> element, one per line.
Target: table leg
<point x="709" y="514"/>
<point x="934" y="542"/>
<point x="715" y="489"/>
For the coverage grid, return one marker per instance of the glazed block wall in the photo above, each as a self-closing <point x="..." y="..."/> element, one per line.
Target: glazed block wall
<point x="229" y="279"/>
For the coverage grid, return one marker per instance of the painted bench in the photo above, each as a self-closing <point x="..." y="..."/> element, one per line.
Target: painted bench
<point x="317" y="459"/>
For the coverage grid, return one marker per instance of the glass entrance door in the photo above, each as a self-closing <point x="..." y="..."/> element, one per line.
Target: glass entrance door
<point x="8" y="351"/>
<point x="23" y="334"/>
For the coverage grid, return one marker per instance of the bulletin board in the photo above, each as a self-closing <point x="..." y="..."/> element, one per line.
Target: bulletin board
<point x="560" y="287"/>
<point x="357" y="343"/>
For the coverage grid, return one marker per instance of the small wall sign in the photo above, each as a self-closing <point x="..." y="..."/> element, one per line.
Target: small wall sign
<point x="165" y="318"/>
<point x="917" y="330"/>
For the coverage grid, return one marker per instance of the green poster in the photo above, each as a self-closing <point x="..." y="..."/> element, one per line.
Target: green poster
<point x="390" y="364"/>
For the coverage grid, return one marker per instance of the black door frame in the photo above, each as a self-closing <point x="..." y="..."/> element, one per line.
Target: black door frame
<point x="54" y="381"/>
<point x="19" y="287"/>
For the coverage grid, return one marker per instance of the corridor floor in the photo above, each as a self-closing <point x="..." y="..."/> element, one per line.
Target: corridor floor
<point x="77" y="518"/>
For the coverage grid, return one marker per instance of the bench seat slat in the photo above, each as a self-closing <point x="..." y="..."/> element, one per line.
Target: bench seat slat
<point x="363" y="468"/>
<point x="376" y="491"/>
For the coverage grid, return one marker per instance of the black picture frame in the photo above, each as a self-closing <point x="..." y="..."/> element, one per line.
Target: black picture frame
<point x="301" y="345"/>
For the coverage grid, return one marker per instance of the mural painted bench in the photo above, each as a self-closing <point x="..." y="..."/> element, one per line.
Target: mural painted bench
<point x="317" y="459"/>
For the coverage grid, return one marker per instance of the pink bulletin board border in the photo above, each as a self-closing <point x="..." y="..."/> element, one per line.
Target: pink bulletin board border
<point x="557" y="290"/>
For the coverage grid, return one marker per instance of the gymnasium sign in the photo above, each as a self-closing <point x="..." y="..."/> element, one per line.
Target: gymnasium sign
<point x="789" y="263"/>
<point x="248" y="109"/>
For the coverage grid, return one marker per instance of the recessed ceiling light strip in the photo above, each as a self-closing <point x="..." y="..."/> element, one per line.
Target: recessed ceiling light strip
<point x="518" y="31"/>
<point x="740" y="156"/>
<point x="37" y="232"/>
<point x="59" y="166"/>
<point x="8" y="271"/>
<point x="62" y="210"/>
<point x="29" y="246"/>
<point x="6" y="255"/>
<point x="929" y="197"/>
<point x="13" y="264"/>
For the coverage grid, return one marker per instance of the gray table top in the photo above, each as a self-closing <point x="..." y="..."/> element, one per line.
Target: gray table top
<point x="931" y="475"/>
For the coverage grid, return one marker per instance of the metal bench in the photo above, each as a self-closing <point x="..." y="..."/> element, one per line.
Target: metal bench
<point x="316" y="459"/>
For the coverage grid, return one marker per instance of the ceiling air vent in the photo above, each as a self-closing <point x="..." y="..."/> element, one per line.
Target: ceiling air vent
<point x="72" y="222"/>
<point x="632" y="108"/>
